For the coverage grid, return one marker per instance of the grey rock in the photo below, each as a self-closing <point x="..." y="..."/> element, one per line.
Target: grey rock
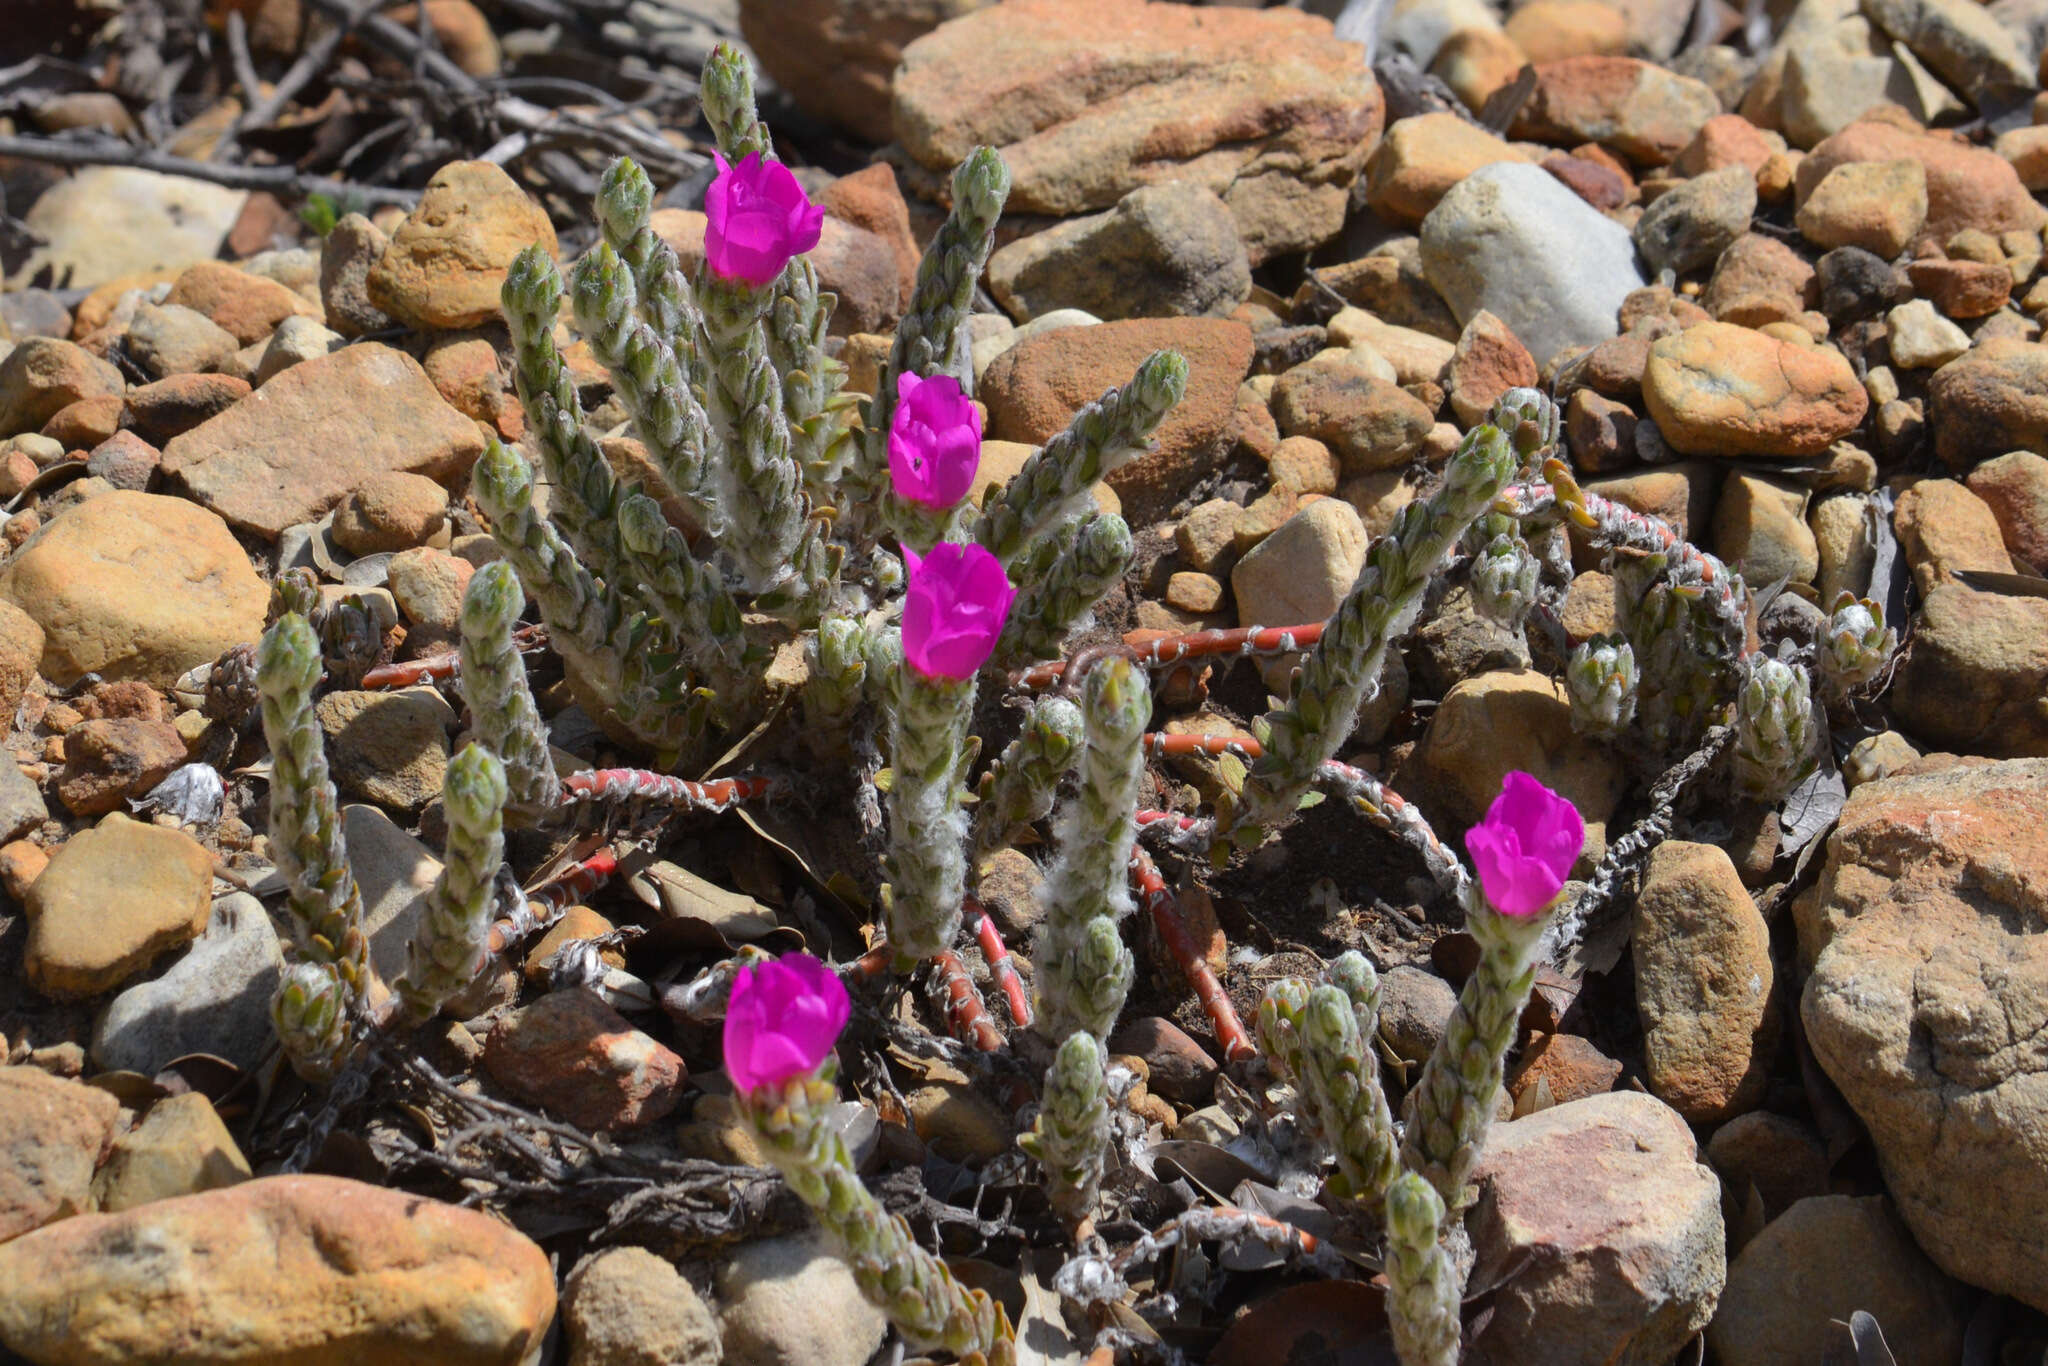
<point x="171" y="339"/>
<point x="21" y="802"/>
<point x="394" y="871"/>
<point x="346" y="256"/>
<point x="296" y="339"/>
<point x="625" y="1306"/>
<point x="1511" y="239"/>
<point x="1163" y="251"/>
<point x="215" y="999"/>
<point x="793" y="1300"/>
<point x="1958" y="39"/>
<point x="126" y="461"/>
<point x="1690" y="225"/>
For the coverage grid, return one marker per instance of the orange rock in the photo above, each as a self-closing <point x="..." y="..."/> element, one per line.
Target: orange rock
<point x="1634" y="108"/>
<point x="1967" y="187"/>
<point x="248" y="306"/>
<point x="1944" y="527"/>
<point x="448" y="260"/>
<point x="1718" y="389"/>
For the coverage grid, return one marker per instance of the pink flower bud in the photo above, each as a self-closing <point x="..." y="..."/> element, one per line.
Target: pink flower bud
<point x="758" y="217"/>
<point x="1526" y="846"/>
<point x="782" y="1020"/>
<point x="934" y="441"/>
<point x="954" y="609"/>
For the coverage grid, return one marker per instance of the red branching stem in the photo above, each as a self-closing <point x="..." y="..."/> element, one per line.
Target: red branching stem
<point x="443" y="665"/>
<point x="1000" y="965"/>
<point x="1159" y="903"/>
<point x="876" y="962"/>
<point x="643" y="785"/>
<point x="1393" y="813"/>
<point x="1168" y="651"/>
<point x="966" y="1014"/>
<point x="1159" y="744"/>
<point x="544" y="904"/>
<point x="1148" y="816"/>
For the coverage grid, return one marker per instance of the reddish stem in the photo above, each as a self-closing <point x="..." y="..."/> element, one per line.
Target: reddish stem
<point x="544" y="904"/>
<point x="1000" y="965"/>
<point x="643" y="785"/>
<point x="966" y="1015"/>
<point x="1162" y="745"/>
<point x="1159" y="903"/>
<point x="1168" y="651"/>
<point x="444" y="665"/>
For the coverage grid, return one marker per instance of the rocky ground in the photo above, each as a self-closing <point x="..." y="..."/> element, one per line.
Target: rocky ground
<point x="1782" y="269"/>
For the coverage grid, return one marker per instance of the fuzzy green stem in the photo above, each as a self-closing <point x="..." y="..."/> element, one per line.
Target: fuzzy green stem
<point x="1344" y="667"/>
<point x="914" y="1288"/>
<point x="1423" y="1293"/>
<point x="1050" y="608"/>
<point x="927" y="828"/>
<point x="1071" y="1135"/>
<point x="493" y="681"/>
<point x="932" y="338"/>
<point x="449" y="949"/>
<point x="1084" y="972"/>
<point x="1451" y="1107"/>
<point x="1055" y="482"/>
<point x="1019" y="785"/>
<point x="311" y="1014"/>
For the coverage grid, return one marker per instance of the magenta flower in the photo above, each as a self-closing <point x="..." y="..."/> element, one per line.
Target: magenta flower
<point x="782" y="1020"/>
<point x="957" y="601"/>
<point x="758" y="217"/>
<point x="1526" y="846"/>
<point x="934" y="441"/>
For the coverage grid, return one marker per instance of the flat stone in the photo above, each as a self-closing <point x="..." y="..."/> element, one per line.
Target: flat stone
<point x="103" y="222"/>
<point x="1164" y="251"/>
<point x="21" y="802"/>
<point x="1719" y="389"/>
<point x="318" y="431"/>
<point x="958" y="1123"/>
<point x="110" y="760"/>
<point x="835" y="57"/>
<point x="1510" y="239"/>
<point x="394" y="872"/>
<point x="624" y="1306"/>
<point x="1089" y="99"/>
<point x="179" y="1148"/>
<point x="113" y="898"/>
<point x="135" y="586"/>
<point x="1760" y="530"/>
<point x="21" y="652"/>
<point x="1963" y="43"/>
<point x="1994" y="397"/>
<point x="52" y="1134"/>
<point x="1928" y="982"/>
<point x="1703" y="983"/>
<point x="1489" y="360"/>
<point x="1034" y="389"/>
<point x="313" y="1270"/>
<point x="1302" y="572"/>
<point x="577" y="1058"/>
<point x="1567" y="1067"/>
<point x="448" y="260"/>
<point x="1615" y="1226"/>
<point x="1796" y="1283"/>
<point x="390" y="512"/>
<point x="176" y="404"/>
<point x="215" y="999"/>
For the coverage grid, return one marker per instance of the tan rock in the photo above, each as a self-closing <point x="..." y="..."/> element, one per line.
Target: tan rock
<point x="835" y="57"/>
<point x="1489" y="361"/>
<point x="1972" y="681"/>
<point x="312" y="1270"/>
<point x="1002" y="461"/>
<point x="1369" y="423"/>
<point x="461" y="30"/>
<point x="42" y="376"/>
<point x="1703" y="983"/>
<point x="52" y="1134"/>
<point x="1682" y="494"/>
<point x="1926" y="968"/>
<point x="1588" y="607"/>
<point x="179" y="1148"/>
<point x="1497" y="722"/>
<point x="21" y="651"/>
<point x="1718" y="389"/>
<point x="1422" y="157"/>
<point x="1551" y="30"/>
<point x="1378" y="498"/>
<point x="113" y="898"/>
<point x="1634" y="108"/>
<point x="959" y="1123"/>
<point x="1944" y="527"/>
<point x="1565" y="1066"/>
<point x="1415" y="355"/>
<point x="624" y="1306"/>
<point x="2015" y="486"/>
<point x="390" y="748"/>
<point x="1783" y="1159"/>
<point x="1616" y="1227"/>
<point x="575" y="1056"/>
<point x="1992" y="398"/>
<point x="1967" y="187"/>
<point x="1088" y="99"/>
<point x="110" y="760"/>
<point x="1797" y="1282"/>
<point x="248" y="307"/>
<point x="1760" y="530"/>
<point x="1725" y="140"/>
<point x="135" y="586"/>
<point x="1876" y="205"/>
<point x="1034" y="389"/>
<point x="448" y="260"/>
<point x="1302" y="571"/>
<point x="392" y="511"/>
<point x="1842" y="539"/>
<point x="317" y="432"/>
